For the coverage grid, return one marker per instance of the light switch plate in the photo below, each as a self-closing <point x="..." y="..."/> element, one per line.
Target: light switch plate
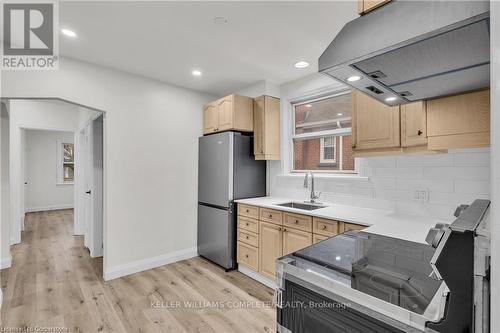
<point x="421" y="194"/>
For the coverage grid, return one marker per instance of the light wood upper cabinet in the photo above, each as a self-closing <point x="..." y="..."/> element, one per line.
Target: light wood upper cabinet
<point x="414" y="124"/>
<point x="210" y="118"/>
<point x="461" y="121"/>
<point x="374" y="124"/>
<point x="266" y="128"/>
<point x="225" y="109"/>
<point x="364" y="6"/>
<point x="230" y="112"/>
<point x="270" y="247"/>
<point x="294" y="240"/>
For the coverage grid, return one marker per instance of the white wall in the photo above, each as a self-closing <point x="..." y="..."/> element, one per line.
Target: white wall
<point x="386" y="182"/>
<point x="30" y="114"/>
<point x="495" y="164"/>
<point x="43" y="191"/>
<point x="5" y="257"/>
<point x="151" y="154"/>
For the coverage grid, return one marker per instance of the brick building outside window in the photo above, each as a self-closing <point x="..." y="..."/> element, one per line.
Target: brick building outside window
<point x="322" y="134"/>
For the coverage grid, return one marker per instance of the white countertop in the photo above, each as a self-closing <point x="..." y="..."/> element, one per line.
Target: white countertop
<point x="381" y="222"/>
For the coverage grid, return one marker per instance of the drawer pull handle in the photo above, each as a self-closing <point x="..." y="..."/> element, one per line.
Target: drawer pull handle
<point x="270" y="215"/>
<point x="248" y="210"/>
<point x="296" y="221"/>
<point x="324" y="226"/>
<point x="246" y="255"/>
<point x="247" y="224"/>
<point x="247" y="237"/>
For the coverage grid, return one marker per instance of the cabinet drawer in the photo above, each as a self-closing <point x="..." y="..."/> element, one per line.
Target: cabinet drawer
<point x="352" y="226"/>
<point x="248" y="255"/>
<point x="248" y="211"/>
<point x="318" y="238"/>
<point x="325" y="227"/>
<point x="297" y="221"/>
<point x="271" y="215"/>
<point x="248" y="224"/>
<point x="251" y="238"/>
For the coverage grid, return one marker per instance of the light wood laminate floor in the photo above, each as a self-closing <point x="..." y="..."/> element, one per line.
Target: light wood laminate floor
<point x="53" y="282"/>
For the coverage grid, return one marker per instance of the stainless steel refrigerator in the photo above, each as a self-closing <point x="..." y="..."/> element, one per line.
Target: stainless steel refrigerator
<point x="227" y="170"/>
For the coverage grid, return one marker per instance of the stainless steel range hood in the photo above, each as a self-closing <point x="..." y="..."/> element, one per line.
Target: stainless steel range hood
<point x="412" y="50"/>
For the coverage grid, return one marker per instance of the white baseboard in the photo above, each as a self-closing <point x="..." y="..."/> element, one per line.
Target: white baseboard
<point x="148" y="263"/>
<point x="51" y="207"/>
<point x="6" y="262"/>
<point x="257" y="276"/>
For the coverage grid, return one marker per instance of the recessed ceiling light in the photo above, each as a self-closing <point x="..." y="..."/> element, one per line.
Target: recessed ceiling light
<point x="196" y="72"/>
<point x="354" y="78"/>
<point x="301" y="64"/>
<point x="390" y="99"/>
<point x="308" y="106"/>
<point x="69" y="33"/>
<point x="340" y="114"/>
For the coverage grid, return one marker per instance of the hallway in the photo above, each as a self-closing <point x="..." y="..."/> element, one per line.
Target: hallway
<point x="53" y="282"/>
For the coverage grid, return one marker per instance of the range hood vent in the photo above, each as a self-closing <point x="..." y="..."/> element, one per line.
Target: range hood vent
<point x="413" y="50"/>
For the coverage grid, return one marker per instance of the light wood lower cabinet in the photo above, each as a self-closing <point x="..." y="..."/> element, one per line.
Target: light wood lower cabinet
<point x="277" y="233"/>
<point x="270" y="247"/>
<point x="248" y="255"/>
<point x="294" y="240"/>
<point x="318" y="238"/>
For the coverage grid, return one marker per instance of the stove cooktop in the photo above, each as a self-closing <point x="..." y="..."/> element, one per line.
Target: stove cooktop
<point x="394" y="270"/>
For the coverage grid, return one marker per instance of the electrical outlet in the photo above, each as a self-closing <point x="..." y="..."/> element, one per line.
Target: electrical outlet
<point x="421" y="194"/>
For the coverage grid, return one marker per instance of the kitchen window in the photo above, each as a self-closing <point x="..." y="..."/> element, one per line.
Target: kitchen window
<point x="321" y="139"/>
<point x="66" y="163"/>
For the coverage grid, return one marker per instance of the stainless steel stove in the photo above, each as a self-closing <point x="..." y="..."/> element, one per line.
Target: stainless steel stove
<point x="363" y="282"/>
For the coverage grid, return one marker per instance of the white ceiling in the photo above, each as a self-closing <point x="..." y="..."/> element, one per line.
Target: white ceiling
<point x="167" y="40"/>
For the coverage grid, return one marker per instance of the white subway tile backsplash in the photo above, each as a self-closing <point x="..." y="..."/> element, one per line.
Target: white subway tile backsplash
<point x="472" y="159"/>
<point x="432" y="185"/>
<point x="452" y="173"/>
<point x="471" y="186"/>
<point x="452" y="179"/>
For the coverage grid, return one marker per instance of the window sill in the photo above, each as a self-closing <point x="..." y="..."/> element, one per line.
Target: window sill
<point x="65" y="184"/>
<point x="319" y="175"/>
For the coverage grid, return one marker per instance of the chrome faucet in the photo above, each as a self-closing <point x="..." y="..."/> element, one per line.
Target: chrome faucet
<point x="313" y="195"/>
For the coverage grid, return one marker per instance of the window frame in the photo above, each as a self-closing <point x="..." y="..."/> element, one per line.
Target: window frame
<point x="60" y="163"/>
<point x="322" y="147"/>
<point x="318" y="135"/>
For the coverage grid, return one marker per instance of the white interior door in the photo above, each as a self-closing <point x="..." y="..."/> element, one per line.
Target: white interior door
<point x="87" y="184"/>
<point x="96" y="249"/>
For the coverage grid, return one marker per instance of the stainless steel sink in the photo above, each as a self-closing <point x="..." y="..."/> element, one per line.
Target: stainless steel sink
<point x="302" y="205"/>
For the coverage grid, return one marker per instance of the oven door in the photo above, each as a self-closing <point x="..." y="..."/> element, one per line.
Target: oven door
<point x="305" y="311"/>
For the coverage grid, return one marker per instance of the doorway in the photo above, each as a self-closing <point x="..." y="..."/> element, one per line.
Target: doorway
<point x="87" y="205"/>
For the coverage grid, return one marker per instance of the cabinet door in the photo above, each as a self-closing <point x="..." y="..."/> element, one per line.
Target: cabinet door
<point x="294" y="240"/>
<point x="210" y="118"/>
<point x="375" y="125"/>
<point x="225" y="109"/>
<point x="414" y="124"/>
<point x="258" y="125"/>
<point x="267" y="128"/>
<point x="351" y="226"/>
<point x="364" y="6"/>
<point x="270" y="247"/>
<point x="459" y="121"/>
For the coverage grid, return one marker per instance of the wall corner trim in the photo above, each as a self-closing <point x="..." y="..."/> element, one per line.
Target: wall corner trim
<point x="148" y="263"/>
<point x="6" y="262"/>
